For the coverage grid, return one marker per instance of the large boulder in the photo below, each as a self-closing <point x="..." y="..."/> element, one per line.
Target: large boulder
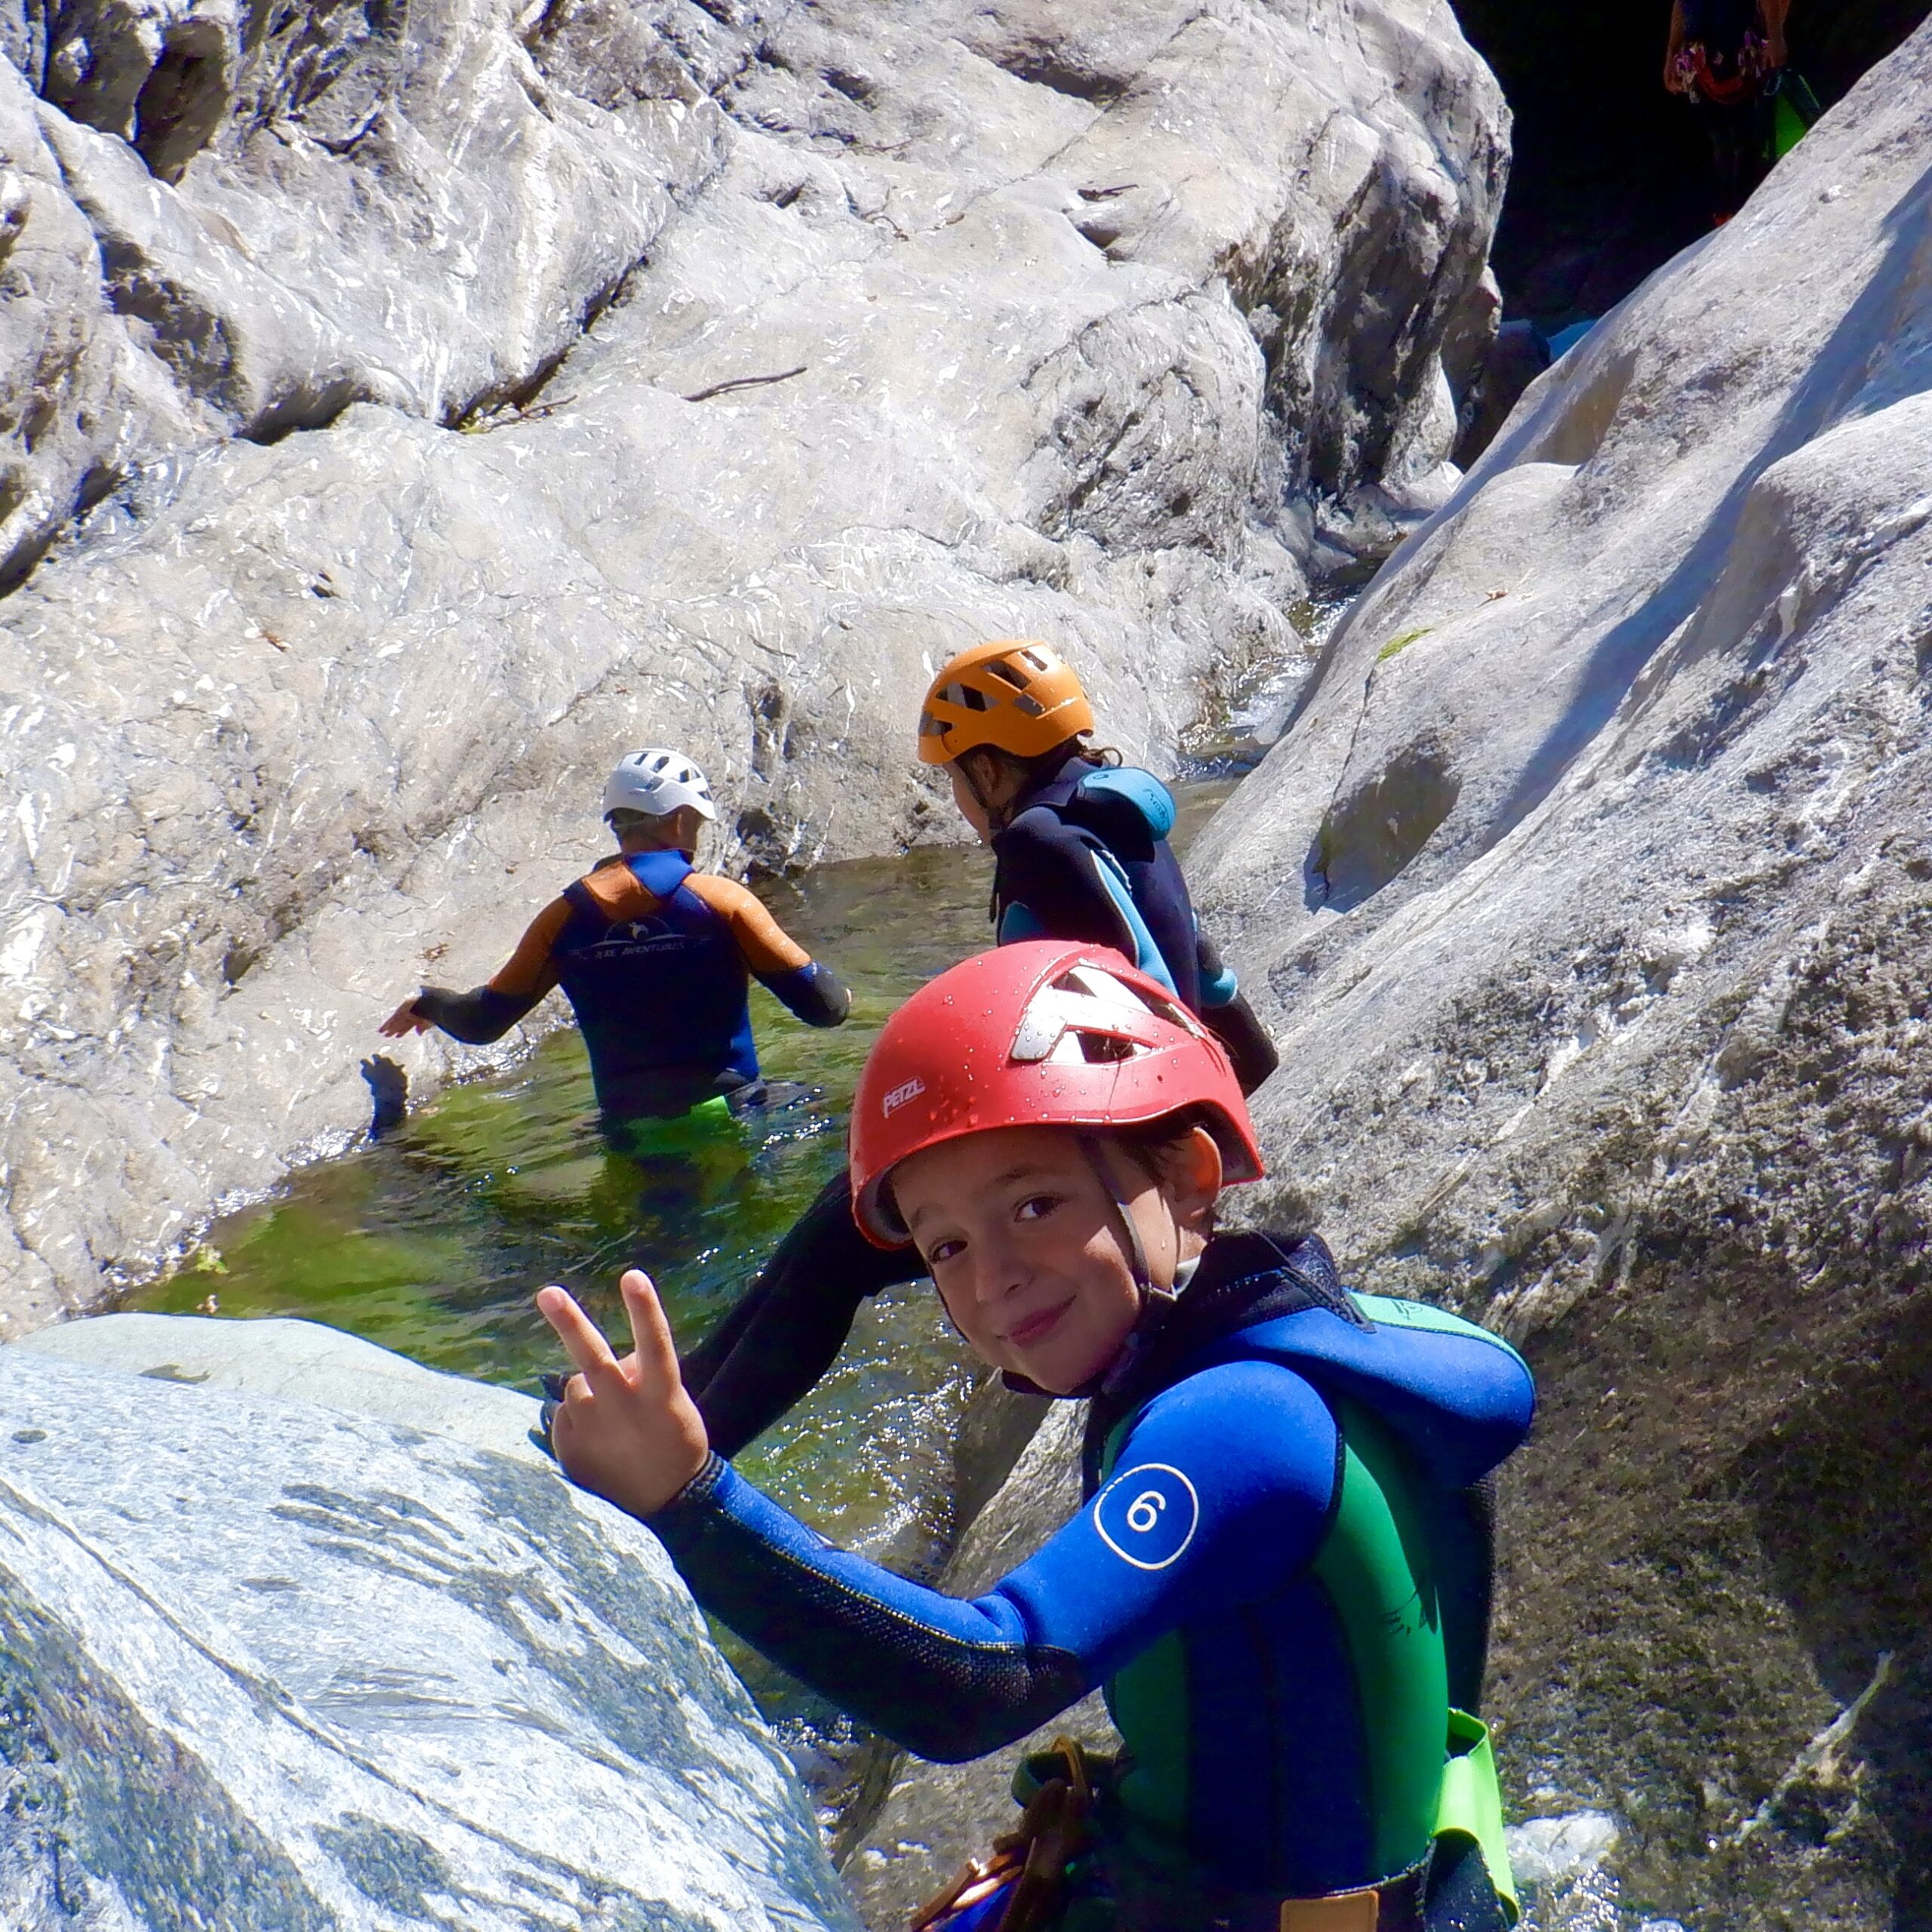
<point x="301" y="1361"/>
<point x="262" y="1665"/>
<point x="1588" y="897"/>
<point x="801" y="345"/>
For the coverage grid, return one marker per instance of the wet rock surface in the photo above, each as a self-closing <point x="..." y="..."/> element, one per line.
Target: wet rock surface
<point x="1625" y="1047"/>
<point x="301" y="1361"/>
<point x="263" y="1664"/>
<point x="802" y="345"/>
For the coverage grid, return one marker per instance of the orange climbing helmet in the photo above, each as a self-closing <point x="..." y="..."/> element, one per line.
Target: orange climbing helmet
<point x="1013" y="695"/>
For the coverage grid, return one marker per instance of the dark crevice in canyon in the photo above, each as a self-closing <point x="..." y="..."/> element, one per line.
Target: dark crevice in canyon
<point x="1610" y="174"/>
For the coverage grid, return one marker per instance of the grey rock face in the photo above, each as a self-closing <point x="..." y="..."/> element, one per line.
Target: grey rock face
<point x="1053" y="320"/>
<point x="263" y="1665"/>
<point x="244" y="219"/>
<point x="1588" y="894"/>
<point x="933" y="1817"/>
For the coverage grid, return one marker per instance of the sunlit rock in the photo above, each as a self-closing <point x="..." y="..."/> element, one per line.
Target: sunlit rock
<point x="800" y="346"/>
<point x="267" y="1666"/>
<point x="1589" y="896"/>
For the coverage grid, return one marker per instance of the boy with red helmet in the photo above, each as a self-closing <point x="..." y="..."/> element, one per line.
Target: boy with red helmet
<point x="1080" y="854"/>
<point x="1278" y="1575"/>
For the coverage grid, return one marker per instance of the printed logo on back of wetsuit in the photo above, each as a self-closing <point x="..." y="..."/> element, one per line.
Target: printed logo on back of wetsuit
<point x="1148" y="1517"/>
<point x="897" y="1098"/>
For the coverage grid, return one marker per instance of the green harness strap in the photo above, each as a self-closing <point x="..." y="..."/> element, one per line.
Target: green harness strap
<point x="1470" y="1806"/>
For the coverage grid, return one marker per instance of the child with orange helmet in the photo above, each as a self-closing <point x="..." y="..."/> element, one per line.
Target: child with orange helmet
<point x="1079" y="840"/>
<point x="1277" y="1574"/>
<point x="1080" y="853"/>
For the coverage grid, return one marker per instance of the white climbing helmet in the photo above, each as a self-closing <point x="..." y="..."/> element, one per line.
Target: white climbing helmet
<point x="657" y="782"/>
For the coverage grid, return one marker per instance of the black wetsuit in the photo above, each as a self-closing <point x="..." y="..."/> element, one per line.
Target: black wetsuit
<point x="1083" y="856"/>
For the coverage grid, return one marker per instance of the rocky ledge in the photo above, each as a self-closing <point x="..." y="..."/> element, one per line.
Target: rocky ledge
<point x="268" y="1665"/>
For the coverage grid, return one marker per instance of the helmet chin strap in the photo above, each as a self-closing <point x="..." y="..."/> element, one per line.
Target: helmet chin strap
<point x="1151" y="1292"/>
<point x="1155" y="1300"/>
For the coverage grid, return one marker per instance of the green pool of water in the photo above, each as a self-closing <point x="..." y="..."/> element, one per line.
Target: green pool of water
<point x="433" y="1240"/>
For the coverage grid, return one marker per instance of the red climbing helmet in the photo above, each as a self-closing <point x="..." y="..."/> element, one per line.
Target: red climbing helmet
<point x="1039" y="1034"/>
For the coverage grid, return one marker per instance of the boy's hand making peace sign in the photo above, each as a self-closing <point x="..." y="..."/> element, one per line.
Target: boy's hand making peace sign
<point x="625" y="1430"/>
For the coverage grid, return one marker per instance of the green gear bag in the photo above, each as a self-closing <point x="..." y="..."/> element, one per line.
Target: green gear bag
<point x="1470" y="1806"/>
<point x="1795" y="108"/>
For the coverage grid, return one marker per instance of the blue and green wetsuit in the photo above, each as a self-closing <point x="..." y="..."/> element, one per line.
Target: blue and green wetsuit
<point x="1268" y="1577"/>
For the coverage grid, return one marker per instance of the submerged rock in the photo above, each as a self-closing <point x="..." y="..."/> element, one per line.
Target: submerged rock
<point x="803" y="346"/>
<point x="1588" y="896"/>
<point x="267" y="1666"/>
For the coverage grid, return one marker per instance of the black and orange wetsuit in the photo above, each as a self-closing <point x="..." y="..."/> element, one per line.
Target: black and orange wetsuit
<point x="656" y="962"/>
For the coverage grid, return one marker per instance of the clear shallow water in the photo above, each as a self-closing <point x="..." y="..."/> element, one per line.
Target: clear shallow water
<point x="433" y="1240"/>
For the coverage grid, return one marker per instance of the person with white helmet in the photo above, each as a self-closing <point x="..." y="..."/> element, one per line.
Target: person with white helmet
<point x="655" y="957"/>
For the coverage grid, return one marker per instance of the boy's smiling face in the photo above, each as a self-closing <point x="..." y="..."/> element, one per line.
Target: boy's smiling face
<point x="1027" y="1247"/>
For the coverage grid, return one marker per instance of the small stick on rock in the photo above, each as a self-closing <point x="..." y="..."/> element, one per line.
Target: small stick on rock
<point x="745" y="382"/>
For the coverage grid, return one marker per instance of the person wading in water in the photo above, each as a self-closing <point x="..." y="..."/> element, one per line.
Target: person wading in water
<point x="1080" y="852"/>
<point x="656" y="959"/>
<point x="1279" y="1573"/>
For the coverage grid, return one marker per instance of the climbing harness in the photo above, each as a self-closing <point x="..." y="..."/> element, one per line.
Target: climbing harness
<point x="1022" y="1884"/>
<point x="1039" y="1876"/>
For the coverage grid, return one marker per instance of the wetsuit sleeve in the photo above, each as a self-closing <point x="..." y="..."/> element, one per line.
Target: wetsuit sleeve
<point x="1187" y="1524"/>
<point x="812" y="991"/>
<point x="1054" y="871"/>
<point x="770" y="1350"/>
<point x="1218" y="983"/>
<point x="1236" y="1025"/>
<point x="483" y="1016"/>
